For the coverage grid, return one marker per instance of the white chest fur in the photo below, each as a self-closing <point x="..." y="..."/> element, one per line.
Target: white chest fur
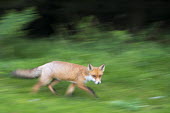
<point x="89" y="78"/>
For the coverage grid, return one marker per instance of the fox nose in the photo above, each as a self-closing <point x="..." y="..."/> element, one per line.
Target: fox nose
<point x="98" y="82"/>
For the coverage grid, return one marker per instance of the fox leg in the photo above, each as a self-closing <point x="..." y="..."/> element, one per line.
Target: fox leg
<point x="70" y="89"/>
<point x="37" y="86"/>
<point x="50" y="86"/>
<point x="44" y="80"/>
<point x="87" y="89"/>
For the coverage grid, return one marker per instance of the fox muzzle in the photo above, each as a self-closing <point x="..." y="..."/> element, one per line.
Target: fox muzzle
<point x="98" y="82"/>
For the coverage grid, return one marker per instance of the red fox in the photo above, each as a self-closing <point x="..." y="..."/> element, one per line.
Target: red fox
<point x="53" y="72"/>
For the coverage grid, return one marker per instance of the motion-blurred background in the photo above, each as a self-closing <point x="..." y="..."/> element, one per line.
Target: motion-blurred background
<point x="131" y="37"/>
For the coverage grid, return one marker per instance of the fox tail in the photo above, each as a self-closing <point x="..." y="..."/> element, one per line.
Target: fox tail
<point x="30" y="73"/>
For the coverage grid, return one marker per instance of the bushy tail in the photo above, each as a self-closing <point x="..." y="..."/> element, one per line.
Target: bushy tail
<point x="32" y="73"/>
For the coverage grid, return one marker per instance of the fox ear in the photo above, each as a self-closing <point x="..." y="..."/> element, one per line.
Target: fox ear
<point x="90" y="67"/>
<point x="102" y="67"/>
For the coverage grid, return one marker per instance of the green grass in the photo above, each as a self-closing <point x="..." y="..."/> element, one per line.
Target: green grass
<point x="135" y="72"/>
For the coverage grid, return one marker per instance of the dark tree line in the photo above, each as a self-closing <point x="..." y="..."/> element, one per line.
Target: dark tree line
<point x="121" y="14"/>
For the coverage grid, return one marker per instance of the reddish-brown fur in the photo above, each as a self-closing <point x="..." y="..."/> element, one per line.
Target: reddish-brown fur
<point x="56" y="71"/>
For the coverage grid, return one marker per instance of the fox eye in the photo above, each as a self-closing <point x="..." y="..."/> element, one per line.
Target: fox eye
<point x="94" y="75"/>
<point x="100" y="75"/>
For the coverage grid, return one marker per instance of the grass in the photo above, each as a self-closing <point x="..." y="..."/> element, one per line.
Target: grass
<point x="136" y="78"/>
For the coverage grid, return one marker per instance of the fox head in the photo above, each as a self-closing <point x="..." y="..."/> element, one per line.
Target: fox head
<point x="95" y="73"/>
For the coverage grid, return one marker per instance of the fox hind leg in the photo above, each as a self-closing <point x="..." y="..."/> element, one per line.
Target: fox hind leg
<point x="50" y="86"/>
<point x="70" y="89"/>
<point x="43" y="81"/>
<point x="36" y="87"/>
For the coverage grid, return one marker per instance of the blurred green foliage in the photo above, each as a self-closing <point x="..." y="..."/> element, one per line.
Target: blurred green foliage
<point x="11" y="25"/>
<point x="12" y="22"/>
<point x="135" y="69"/>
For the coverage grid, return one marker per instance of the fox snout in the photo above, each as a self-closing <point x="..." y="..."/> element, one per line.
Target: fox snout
<point x="98" y="82"/>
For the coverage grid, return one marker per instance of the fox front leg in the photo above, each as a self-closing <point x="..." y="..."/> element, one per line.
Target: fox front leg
<point x="87" y="89"/>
